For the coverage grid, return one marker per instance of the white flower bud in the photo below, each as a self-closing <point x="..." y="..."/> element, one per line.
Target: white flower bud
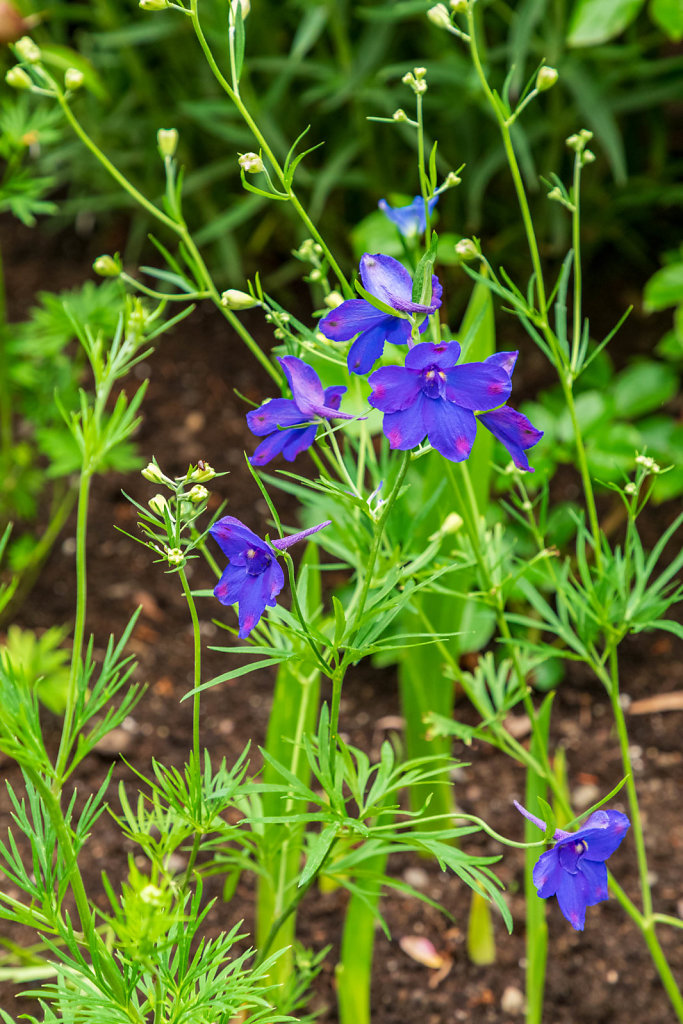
<point x="73" y="79"/>
<point x="467" y="249"/>
<point x="451" y="180"/>
<point x="18" y="79"/>
<point x="152" y="473"/>
<point x="588" y="156"/>
<point x="175" y="557"/>
<point x="198" y="494"/>
<point x="244" y="4"/>
<point x="630" y="488"/>
<point x="107" y="266"/>
<point x="167" y="141"/>
<point x="459" y="6"/>
<point x="157" y="504"/>
<point x="439" y="16"/>
<point x="333" y="300"/>
<point x="233" y="298"/>
<point x="203" y="473"/>
<point x="399" y="115"/>
<point x="251" y="163"/>
<point x="546" y="78"/>
<point x="27" y="50"/>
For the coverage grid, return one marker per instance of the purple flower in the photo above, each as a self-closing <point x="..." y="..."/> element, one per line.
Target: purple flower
<point x="574" y="870"/>
<point x="431" y="396"/>
<point x="253" y="578"/>
<point x="389" y="281"/>
<point x="292" y="423"/>
<point x="410" y="220"/>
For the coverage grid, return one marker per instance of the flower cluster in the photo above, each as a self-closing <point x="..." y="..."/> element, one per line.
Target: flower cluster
<point x="574" y="870"/>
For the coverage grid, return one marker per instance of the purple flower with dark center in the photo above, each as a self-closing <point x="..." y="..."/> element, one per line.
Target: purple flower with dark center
<point x="410" y="220"/>
<point x="431" y="396"/>
<point x="389" y="281"/>
<point x="292" y="423"/>
<point x="253" y="577"/>
<point x="574" y="870"/>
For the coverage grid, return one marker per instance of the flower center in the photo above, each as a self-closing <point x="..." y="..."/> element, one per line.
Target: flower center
<point x="433" y="382"/>
<point x="257" y="561"/>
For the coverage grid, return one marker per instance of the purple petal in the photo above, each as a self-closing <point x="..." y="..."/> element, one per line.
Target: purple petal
<point x="286" y="542"/>
<point x="307" y="390"/>
<point x="298" y="441"/>
<point x="262" y="591"/>
<point x="514" y="431"/>
<point x="538" y="822"/>
<point x="232" y="584"/>
<point x="478" y="386"/>
<point x="450" y="429"/>
<point x="394" y="388"/>
<point x="574" y="895"/>
<point x="596" y="876"/>
<point x="233" y="537"/>
<point x="387" y="279"/>
<point x="505" y="360"/>
<point x="603" y="836"/>
<point x="274" y="445"/>
<point x="349" y="319"/>
<point x="427" y="354"/>
<point x="278" y="412"/>
<point x="333" y="396"/>
<point x="410" y="220"/>
<point x="406" y="429"/>
<point x="547" y="873"/>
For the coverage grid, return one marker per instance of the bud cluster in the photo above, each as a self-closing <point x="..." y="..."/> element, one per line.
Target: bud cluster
<point x="416" y="79"/>
<point x="251" y="163"/>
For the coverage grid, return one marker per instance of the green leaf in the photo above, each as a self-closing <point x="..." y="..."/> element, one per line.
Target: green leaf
<point x="320" y="847"/>
<point x="665" y="288"/>
<point x="644" y="387"/>
<point x="239" y="41"/>
<point x="596" y="21"/>
<point x="668" y="14"/>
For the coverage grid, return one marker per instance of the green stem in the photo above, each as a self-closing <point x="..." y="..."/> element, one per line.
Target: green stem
<point x="576" y="245"/>
<point x="6" y="438"/>
<point x="197" y="670"/>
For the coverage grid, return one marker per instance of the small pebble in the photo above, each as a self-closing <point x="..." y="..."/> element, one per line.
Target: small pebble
<point x="584" y="796"/>
<point x="512" y="1000"/>
<point x="417" y="877"/>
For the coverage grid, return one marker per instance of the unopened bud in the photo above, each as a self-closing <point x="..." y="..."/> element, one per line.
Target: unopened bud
<point x="416" y="83"/>
<point x="73" y="79"/>
<point x="18" y="79"/>
<point x="451" y="180"/>
<point x="167" y="141"/>
<point x="556" y="195"/>
<point x="588" y="156"/>
<point x="630" y="488"/>
<point x="251" y="163"/>
<point x="203" y="473"/>
<point x="235" y="299"/>
<point x="175" y="557"/>
<point x="579" y="141"/>
<point x="152" y="895"/>
<point x="152" y="473"/>
<point x="400" y="114"/>
<point x="27" y="50"/>
<point x="467" y="249"/>
<point x="459" y="6"/>
<point x="198" y="494"/>
<point x="546" y="78"/>
<point x="452" y="523"/>
<point x="107" y="266"/>
<point x="157" y="504"/>
<point x="315" y="275"/>
<point x="245" y="5"/>
<point x="333" y="300"/>
<point x="439" y="16"/>
<point x="420" y="73"/>
<point x="153" y="5"/>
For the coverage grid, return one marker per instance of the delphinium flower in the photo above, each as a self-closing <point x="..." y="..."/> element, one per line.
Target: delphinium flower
<point x="410" y="220"/>
<point x="253" y="577"/>
<point x="574" y="870"/>
<point x="389" y="281"/>
<point x="431" y="396"/>
<point x="292" y="423"/>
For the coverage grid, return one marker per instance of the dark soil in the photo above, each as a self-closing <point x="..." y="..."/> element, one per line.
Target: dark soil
<point x="601" y="976"/>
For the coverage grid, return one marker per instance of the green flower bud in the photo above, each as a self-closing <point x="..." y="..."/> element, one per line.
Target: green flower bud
<point x="152" y="473"/>
<point x="588" y="156"/>
<point x="315" y="275"/>
<point x="18" y="79"/>
<point x="546" y="78"/>
<point x="107" y="266"/>
<point x="27" y="50"/>
<point x="73" y="79"/>
<point x="251" y="163"/>
<point x="451" y="180"/>
<point x="459" y="6"/>
<point x="198" y="494"/>
<point x="203" y="473"/>
<point x="400" y="114"/>
<point x="467" y="250"/>
<point x="175" y="557"/>
<point x="153" y="5"/>
<point x="630" y="488"/>
<point x="157" y="504"/>
<point x="167" y="141"/>
<point x="439" y="16"/>
<point x="235" y="299"/>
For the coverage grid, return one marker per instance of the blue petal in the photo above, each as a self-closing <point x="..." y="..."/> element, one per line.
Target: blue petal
<point x="307" y="390"/>
<point x="272" y="447"/>
<point x="388" y="280"/>
<point x="349" y="319"/>
<point x="505" y="360"/>
<point x="233" y="537"/>
<point x="394" y="388"/>
<point x="596" y="876"/>
<point x="232" y="584"/>
<point x="603" y="833"/>
<point x="428" y="354"/>
<point x="333" y="395"/>
<point x="450" y="429"/>
<point x="406" y="429"/>
<point x="574" y="895"/>
<point x="278" y="412"/>
<point x="368" y="348"/>
<point x="298" y="441"/>
<point x="478" y="386"/>
<point x="286" y="542"/>
<point x="547" y="874"/>
<point x="262" y="592"/>
<point x="410" y="220"/>
<point x="514" y="431"/>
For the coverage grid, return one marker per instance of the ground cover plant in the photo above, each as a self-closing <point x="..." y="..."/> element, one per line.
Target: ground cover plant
<point x="425" y="538"/>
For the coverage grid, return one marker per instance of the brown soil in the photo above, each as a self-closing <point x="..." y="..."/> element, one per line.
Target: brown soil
<point x="601" y="976"/>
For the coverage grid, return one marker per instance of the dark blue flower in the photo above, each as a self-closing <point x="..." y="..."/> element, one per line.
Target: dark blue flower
<point x="389" y="281"/>
<point x="253" y="577"/>
<point x="510" y="427"/>
<point x="574" y="870"/>
<point x="410" y="220"/>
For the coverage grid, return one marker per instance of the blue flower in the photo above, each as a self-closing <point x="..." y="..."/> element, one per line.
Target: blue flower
<point x="433" y="397"/>
<point x="253" y="577"/>
<point x="574" y="870"/>
<point x="389" y="281"/>
<point x="410" y="220"/>
<point x="292" y="423"/>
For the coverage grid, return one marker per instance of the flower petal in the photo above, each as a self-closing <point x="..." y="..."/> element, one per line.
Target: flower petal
<point x="274" y="445"/>
<point x="298" y="441"/>
<point x="547" y="874"/>
<point x="333" y="395"/>
<point x="427" y="354"/>
<point x="368" y="348"/>
<point x="307" y="390"/>
<point x="406" y="429"/>
<point x="262" y="592"/>
<point x="410" y="220"/>
<point x="394" y="388"/>
<point x="505" y="360"/>
<point x="286" y="542"/>
<point x="278" y="412"/>
<point x="514" y="431"/>
<point x="574" y="895"/>
<point x="603" y="833"/>
<point x="596" y="876"/>
<point x="478" y="386"/>
<point x="232" y="584"/>
<point x="349" y="319"/>
<point x="233" y="537"/>
<point x="386" y="278"/>
<point x="450" y="429"/>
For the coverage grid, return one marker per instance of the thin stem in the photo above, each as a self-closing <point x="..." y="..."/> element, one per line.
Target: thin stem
<point x="6" y="437"/>
<point x="576" y="245"/>
<point x="197" y="670"/>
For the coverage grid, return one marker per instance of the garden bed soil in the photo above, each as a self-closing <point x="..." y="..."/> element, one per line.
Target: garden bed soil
<point x="600" y="976"/>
